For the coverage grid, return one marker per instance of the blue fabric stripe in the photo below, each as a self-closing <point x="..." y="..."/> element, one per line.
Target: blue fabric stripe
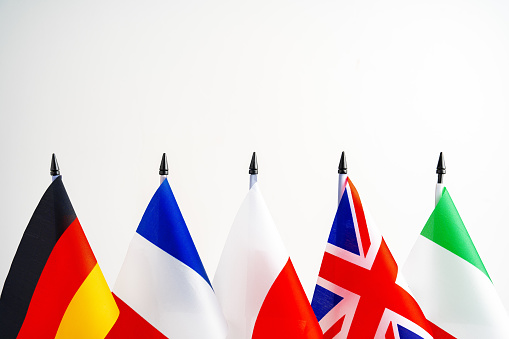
<point x="324" y="301"/>
<point x="163" y="225"/>
<point x="405" y="333"/>
<point x="342" y="233"/>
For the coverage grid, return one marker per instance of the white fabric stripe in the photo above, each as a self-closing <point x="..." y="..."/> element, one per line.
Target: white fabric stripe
<point x="345" y="307"/>
<point x="453" y="293"/>
<point x="374" y="235"/>
<point x="390" y="317"/>
<point x="349" y="256"/>
<point x="168" y="294"/>
<point x="252" y="259"/>
<point x="376" y="240"/>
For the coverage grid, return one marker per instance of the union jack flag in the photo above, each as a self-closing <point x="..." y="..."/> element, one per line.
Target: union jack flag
<point x="359" y="294"/>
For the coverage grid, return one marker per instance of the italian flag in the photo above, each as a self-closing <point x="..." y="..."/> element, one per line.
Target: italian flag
<point x="449" y="281"/>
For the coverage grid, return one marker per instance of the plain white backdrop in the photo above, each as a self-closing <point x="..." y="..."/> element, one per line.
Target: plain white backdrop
<point x="111" y="85"/>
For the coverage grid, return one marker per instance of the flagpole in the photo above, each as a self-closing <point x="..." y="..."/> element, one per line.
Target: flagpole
<point x="163" y="169"/>
<point x="253" y="171"/>
<point x="440" y="182"/>
<point x="54" y="170"/>
<point x="343" y="175"/>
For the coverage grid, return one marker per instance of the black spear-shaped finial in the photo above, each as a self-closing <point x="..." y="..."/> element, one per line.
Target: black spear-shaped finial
<point x="342" y="164"/>
<point x="253" y="167"/>
<point x="441" y="168"/>
<point x="54" y="169"/>
<point x="163" y="169"/>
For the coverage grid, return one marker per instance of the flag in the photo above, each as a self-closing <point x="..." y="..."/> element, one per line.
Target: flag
<point x="359" y="291"/>
<point x="55" y="288"/>
<point x="162" y="288"/>
<point x="256" y="283"/>
<point x="450" y="282"/>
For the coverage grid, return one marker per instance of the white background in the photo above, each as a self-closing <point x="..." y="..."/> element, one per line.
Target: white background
<point x="111" y="85"/>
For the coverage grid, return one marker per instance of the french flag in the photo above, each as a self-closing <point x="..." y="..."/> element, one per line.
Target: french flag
<point x="162" y="289"/>
<point x="256" y="283"/>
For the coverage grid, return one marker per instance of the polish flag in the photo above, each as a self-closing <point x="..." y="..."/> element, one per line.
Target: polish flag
<point x="256" y="283"/>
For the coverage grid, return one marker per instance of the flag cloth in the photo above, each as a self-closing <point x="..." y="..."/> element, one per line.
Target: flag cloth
<point x="54" y="288"/>
<point x="359" y="292"/>
<point x="163" y="281"/>
<point x="256" y="283"/>
<point x="450" y="282"/>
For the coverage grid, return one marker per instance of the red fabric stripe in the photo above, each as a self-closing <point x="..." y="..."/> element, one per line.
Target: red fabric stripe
<point x="377" y="290"/>
<point x="390" y="332"/>
<point x="286" y="312"/>
<point x="68" y="265"/>
<point x="334" y="329"/>
<point x="439" y="333"/>
<point x="361" y="219"/>
<point x="130" y="325"/>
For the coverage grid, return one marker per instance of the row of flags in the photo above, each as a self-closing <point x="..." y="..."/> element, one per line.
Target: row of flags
<point x="55" y="288"/>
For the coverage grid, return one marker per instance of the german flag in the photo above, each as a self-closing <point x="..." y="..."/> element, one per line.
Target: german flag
<point x="54" y="288"/>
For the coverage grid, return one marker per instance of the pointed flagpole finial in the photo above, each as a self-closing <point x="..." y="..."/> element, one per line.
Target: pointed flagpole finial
<point x="441" y="168"/>
<point x="342" y="164"/>
<point x="163" y="169"/>
<point x="54" y="169"/>
<point x="253" y="167"/>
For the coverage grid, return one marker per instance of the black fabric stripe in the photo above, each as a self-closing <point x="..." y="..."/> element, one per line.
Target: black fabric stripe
<point x="51" y="218"/>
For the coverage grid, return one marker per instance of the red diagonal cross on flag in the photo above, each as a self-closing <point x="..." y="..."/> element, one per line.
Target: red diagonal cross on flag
<point x="377" y="289"/>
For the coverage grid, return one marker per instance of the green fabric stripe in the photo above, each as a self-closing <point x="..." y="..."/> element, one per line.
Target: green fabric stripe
<point x="445" y="228"/>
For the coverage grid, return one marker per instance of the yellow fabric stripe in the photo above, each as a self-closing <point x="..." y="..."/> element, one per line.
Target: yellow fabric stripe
<point x="91" y="312"/>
